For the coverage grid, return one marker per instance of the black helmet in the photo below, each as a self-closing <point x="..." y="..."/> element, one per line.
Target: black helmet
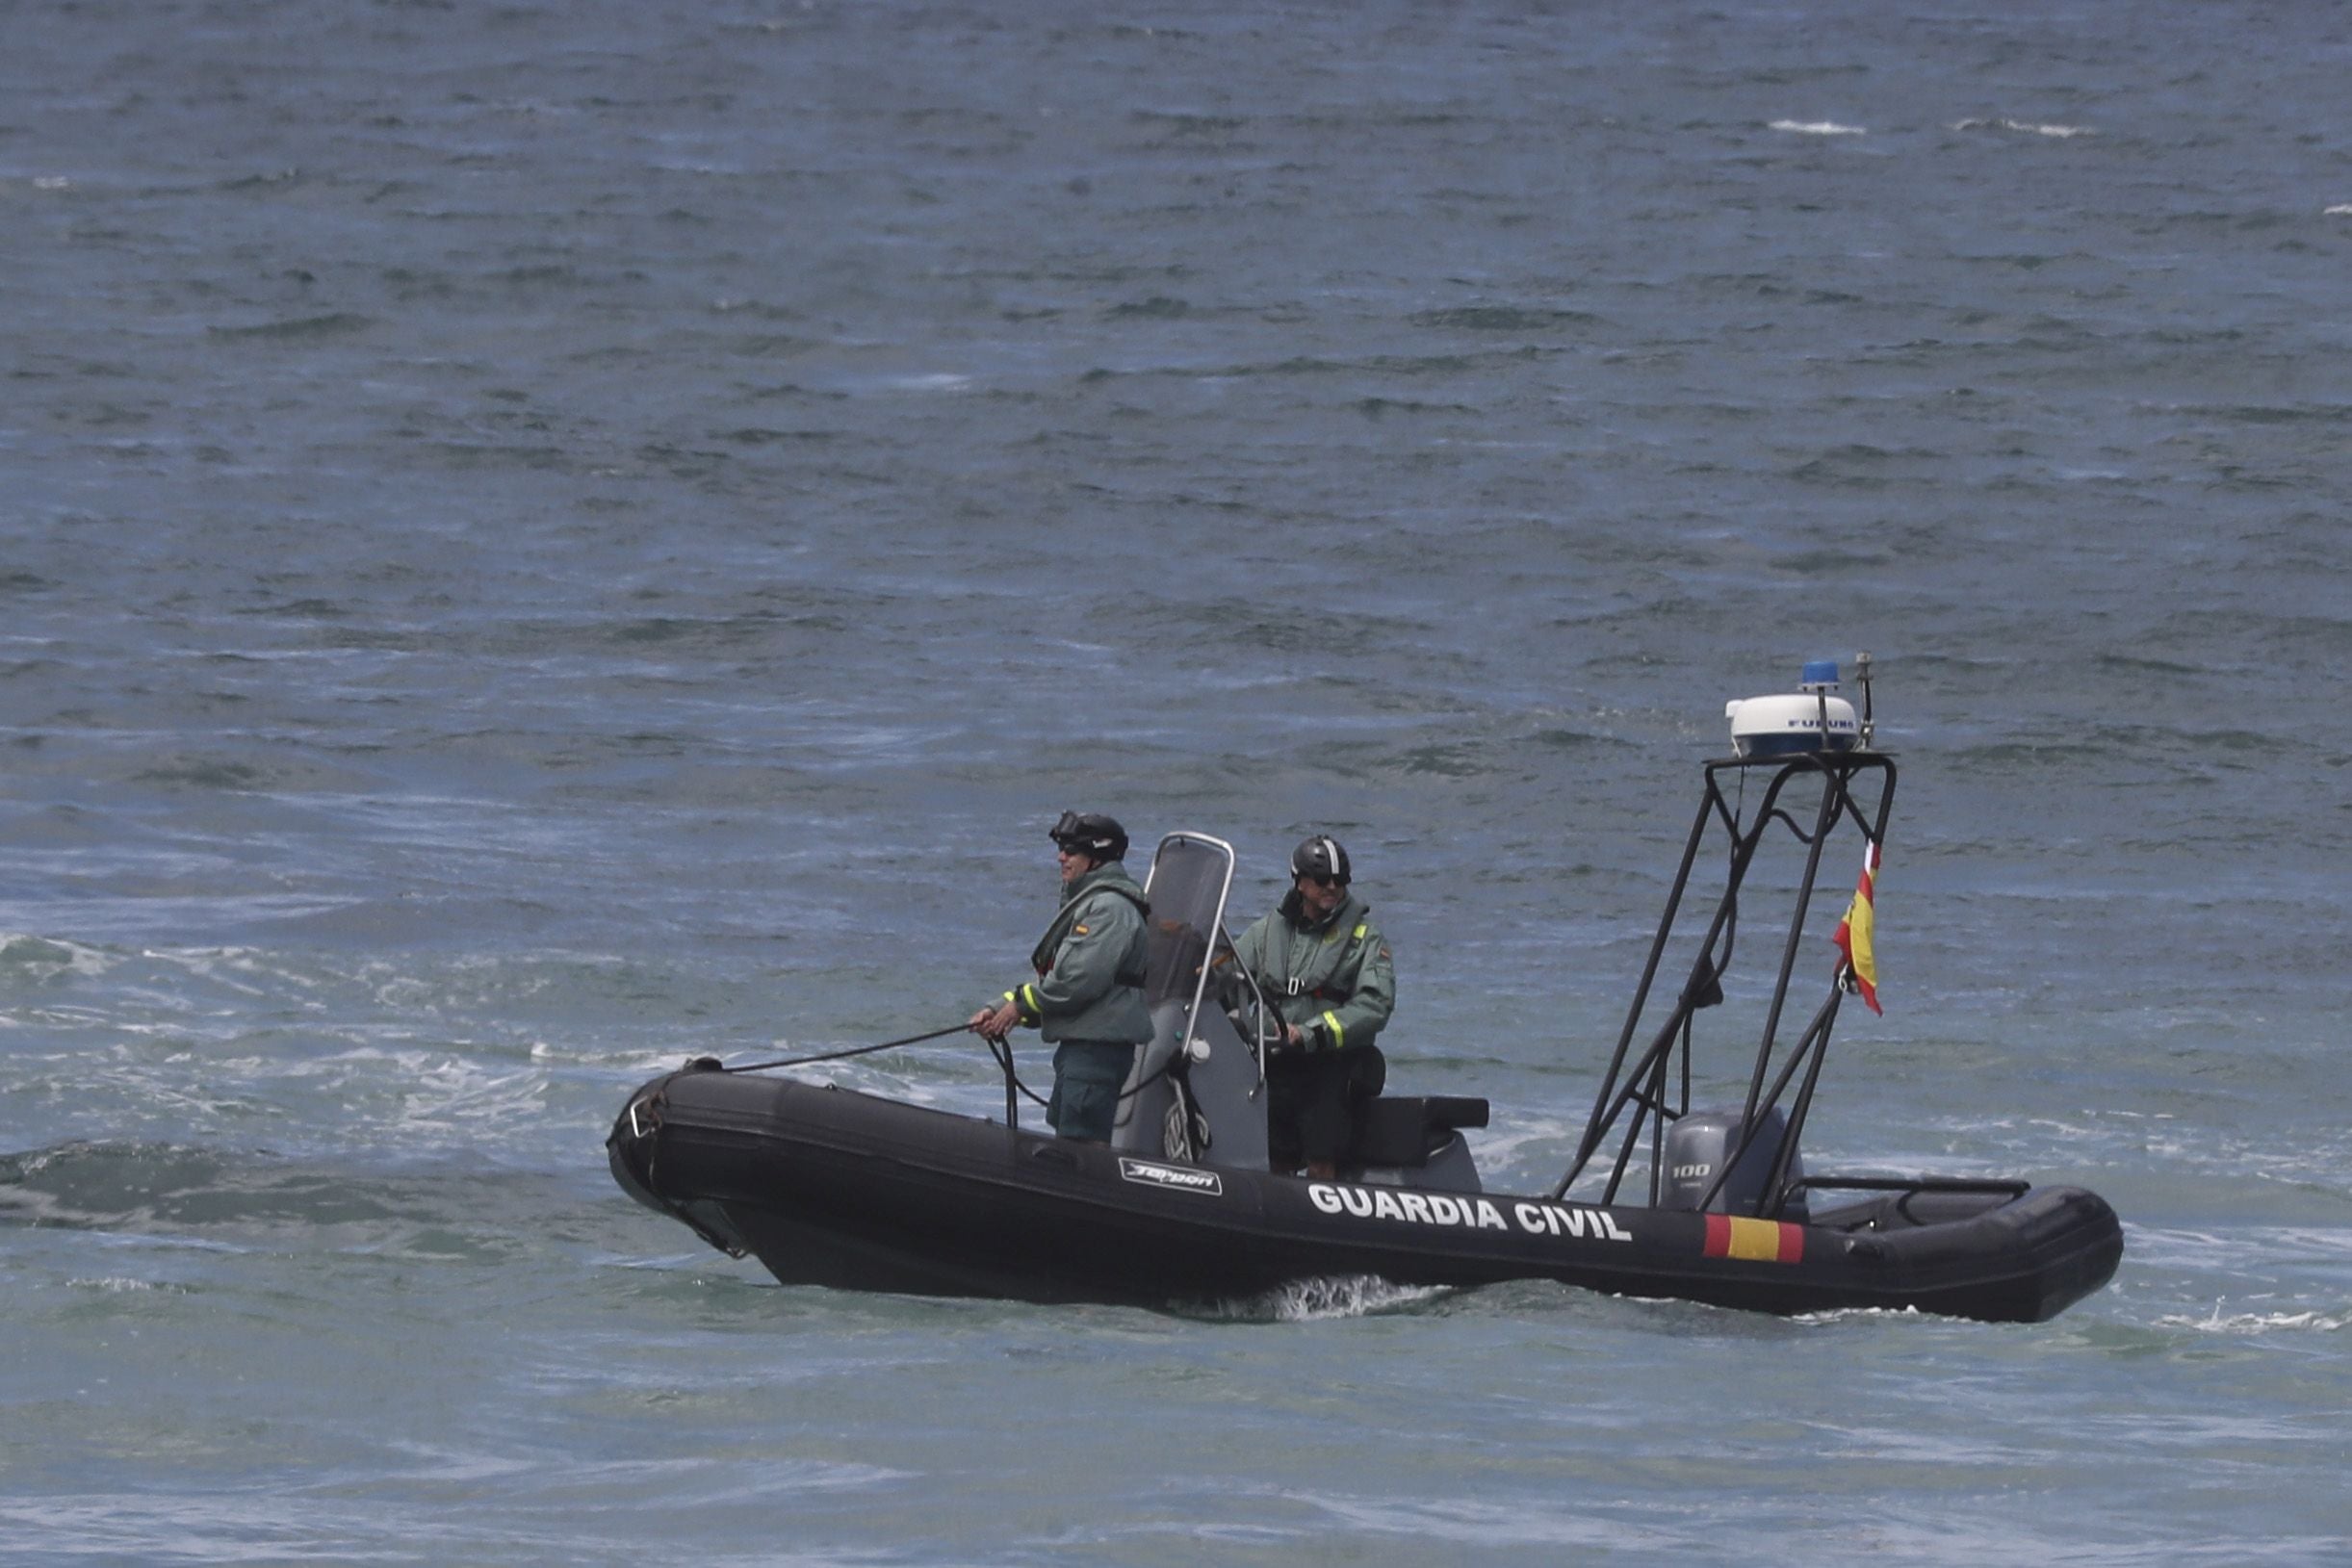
<point x="1320" y="857"/>
<point x="1090" y="833"/>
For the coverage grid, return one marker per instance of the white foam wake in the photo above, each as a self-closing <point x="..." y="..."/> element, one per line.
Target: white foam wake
<point x="2023" y="128"/>
<point x="1307" y="1300"/>
<point x="2218" y="1322"/>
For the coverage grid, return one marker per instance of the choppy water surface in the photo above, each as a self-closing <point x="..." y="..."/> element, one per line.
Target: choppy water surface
<point x="543" y="541"/>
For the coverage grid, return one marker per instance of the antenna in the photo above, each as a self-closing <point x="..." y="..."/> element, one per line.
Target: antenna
<point x="1862" y="674"/>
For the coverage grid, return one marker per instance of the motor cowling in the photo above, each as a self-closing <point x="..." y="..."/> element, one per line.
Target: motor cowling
<point x="1699" y="1144"/>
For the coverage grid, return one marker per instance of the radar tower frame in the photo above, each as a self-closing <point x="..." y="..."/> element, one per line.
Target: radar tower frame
<point x="1642" y="1087"/>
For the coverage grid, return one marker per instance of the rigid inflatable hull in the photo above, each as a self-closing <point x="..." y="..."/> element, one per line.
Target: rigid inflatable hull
<point x="827" y="1186"/>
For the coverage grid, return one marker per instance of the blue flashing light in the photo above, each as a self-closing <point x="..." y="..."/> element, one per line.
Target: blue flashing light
<point x="1819" y="673"/>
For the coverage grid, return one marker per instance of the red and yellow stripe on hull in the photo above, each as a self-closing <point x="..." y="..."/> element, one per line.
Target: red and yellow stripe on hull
<point x="1758" y="1241"/>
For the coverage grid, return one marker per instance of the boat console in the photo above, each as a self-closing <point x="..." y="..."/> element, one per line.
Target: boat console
<point x="1197" y="1090"/>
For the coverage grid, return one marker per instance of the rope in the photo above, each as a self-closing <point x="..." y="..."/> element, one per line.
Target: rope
<point x="855" y="1050"/>
<point x="1001" y="1050"/>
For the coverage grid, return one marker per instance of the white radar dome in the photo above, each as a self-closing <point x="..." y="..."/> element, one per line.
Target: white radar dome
<point x="1809" y="719"/>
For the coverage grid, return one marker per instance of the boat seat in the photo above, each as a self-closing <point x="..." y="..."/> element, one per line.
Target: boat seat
<point x="1405" y="1130"/>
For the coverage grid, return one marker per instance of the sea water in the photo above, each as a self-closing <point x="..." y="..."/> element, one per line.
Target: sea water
<point x="542" y="540"/>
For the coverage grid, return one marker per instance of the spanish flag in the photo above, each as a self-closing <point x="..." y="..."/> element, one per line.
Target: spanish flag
<point x="1758" y="1241"/>
<point x="1856" y="931"/>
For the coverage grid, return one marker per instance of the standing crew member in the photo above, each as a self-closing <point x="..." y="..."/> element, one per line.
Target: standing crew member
<point x="1319" y="961"/>
<point x="1088" y="998"/>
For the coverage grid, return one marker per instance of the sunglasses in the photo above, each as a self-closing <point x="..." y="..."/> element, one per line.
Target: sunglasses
<point x="1319" y="879"/>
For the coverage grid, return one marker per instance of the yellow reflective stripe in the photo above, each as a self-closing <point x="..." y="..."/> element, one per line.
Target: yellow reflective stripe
<point x="1360" y="931"/>
<point x="1331" y="1021"/>
<point x="1756" y="1240"/>
<point x="1028" y="1003"/>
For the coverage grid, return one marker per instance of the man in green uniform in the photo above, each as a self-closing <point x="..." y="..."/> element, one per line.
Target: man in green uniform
<point x="1319" y="961"/>
<point x="1088" y="998"/>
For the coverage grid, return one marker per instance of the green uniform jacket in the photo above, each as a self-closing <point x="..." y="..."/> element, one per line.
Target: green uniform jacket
<point x="1089" y="964"/>
<point x="1334" y="980"/>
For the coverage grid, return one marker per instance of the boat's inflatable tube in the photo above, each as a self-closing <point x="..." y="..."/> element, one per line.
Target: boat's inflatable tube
<point x="830" y="1186"/>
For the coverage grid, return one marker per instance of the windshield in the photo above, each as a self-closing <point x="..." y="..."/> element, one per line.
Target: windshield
<point x="1190" y="878"/>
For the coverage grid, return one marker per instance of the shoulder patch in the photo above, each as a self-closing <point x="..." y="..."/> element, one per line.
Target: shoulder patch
<point x="1360" y="931"/>
<point x="1079" y="931"/>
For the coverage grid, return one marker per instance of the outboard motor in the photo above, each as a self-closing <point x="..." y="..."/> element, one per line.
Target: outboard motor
<point x="1696" y="1147"/>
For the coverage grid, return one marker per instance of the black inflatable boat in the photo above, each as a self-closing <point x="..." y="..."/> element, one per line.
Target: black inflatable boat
<point x="829" y="1186"/>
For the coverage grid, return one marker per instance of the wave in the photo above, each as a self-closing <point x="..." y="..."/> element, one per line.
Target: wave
<point x="1819" y="127"/>
<point x="296" y="329"/>
<point x="2023" y="128"/>
<point x="248" y="1200"/>
<point x="1503" y="319"/>
<point x="1308" y="1300"/>
<point x="928" y="382"/>
<point x="38" y="959"/>
<point x="2245" y="1324"/>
